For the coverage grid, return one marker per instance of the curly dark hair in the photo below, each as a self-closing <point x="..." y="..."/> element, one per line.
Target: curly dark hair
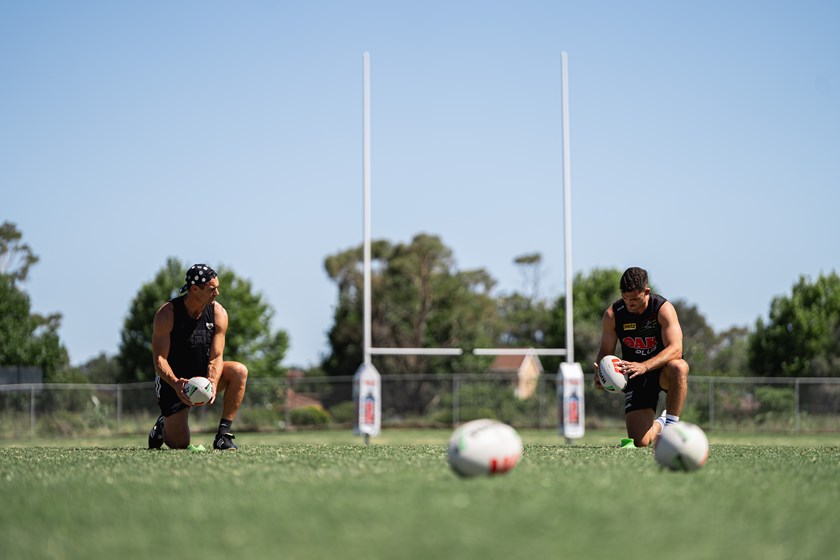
<point x="634" y="279"/>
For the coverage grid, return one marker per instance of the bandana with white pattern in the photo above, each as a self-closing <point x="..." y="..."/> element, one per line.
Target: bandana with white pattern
<point x="197" y="275"/>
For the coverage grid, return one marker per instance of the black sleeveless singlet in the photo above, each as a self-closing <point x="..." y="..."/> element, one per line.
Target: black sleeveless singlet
<point x="189" y="341"/>
<point x="640" y="335"/>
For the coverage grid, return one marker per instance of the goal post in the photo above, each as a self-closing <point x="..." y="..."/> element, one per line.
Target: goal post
<point x="567" y="208"/>
<point x="569" y="374"/>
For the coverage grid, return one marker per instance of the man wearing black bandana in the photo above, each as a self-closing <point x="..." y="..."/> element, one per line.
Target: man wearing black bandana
<point x="189" y="341"/>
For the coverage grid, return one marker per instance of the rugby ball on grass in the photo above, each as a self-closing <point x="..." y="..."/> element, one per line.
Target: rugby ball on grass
<point x="484" y="447"/>
<point x="610" y="375"/>
<point x="199" y="390"/>
<point x="682" y="447"/>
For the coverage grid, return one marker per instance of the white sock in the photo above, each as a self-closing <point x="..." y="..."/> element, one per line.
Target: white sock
<point x="661" y="420"/>
<point x="671" y="419"/>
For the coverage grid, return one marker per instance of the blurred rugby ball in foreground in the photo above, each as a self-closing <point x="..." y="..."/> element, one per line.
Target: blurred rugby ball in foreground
<point x="682" y="447"/>
<point x="199" y="390"/>
<point x="610" y="375"/>
<point x="484" y="447"/>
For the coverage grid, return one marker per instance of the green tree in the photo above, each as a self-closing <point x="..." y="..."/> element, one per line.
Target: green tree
<point x="99" y="369"/>
<point x="419" y="299"/>
<point x="249" y="340"/>
<point x="699" y="339"/>
<point x="801" y="336"/>
<point x="26" y="338"/>
<point x="524" y="321"/>
<point x="16" y="257"/>
<point x="730" y="355"/>
<point x="525" y="318"/>
<point x="530" y="266"/>
<point x="592" y="294"/>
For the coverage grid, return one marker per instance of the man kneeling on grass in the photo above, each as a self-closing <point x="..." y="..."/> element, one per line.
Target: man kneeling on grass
<point x="647" y="327"/>
<point x="188" y="341"/>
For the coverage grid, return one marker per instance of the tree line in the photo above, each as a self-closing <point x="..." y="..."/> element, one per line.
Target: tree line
<point x="421" y="299"/>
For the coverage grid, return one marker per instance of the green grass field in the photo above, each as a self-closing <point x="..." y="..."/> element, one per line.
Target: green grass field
<point x="324" y="495"/>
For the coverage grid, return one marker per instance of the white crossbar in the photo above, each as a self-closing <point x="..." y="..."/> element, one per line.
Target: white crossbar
<point x="416" y="351"/>
<point x="519" y="351"/>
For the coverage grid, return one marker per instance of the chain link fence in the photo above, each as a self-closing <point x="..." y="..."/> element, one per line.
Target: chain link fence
<point x="30" y="410"/>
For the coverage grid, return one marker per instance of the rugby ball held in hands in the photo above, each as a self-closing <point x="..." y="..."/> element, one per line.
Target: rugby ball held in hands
<point x="682" y="447"/>
<point x="199" y="390"/>
<point x="484" y="447"/>
<point x="610" y="374"/>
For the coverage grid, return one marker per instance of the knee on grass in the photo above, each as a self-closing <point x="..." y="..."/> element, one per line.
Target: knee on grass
<point x="643" y="440"/>
<point x="180" y="444"/>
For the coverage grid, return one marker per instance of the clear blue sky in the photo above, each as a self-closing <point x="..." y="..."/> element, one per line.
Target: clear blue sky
<point x="705" y="145"/>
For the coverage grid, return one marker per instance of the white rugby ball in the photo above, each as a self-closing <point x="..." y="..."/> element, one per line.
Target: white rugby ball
<point x="682" y="447"/>
<point x="199" y="390"/>
<point x="611" y="377"/>
<point x="484" y="447"/>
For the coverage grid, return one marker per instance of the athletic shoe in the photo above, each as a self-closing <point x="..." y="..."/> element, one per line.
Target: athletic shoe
<point x="223" y="441"/>
<point x="156" y="435"/>
<point x="627" y="443"/>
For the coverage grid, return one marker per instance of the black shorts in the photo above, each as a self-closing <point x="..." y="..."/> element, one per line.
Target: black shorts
<point x="168" y="400"/>
<point x="643" y="392"/>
